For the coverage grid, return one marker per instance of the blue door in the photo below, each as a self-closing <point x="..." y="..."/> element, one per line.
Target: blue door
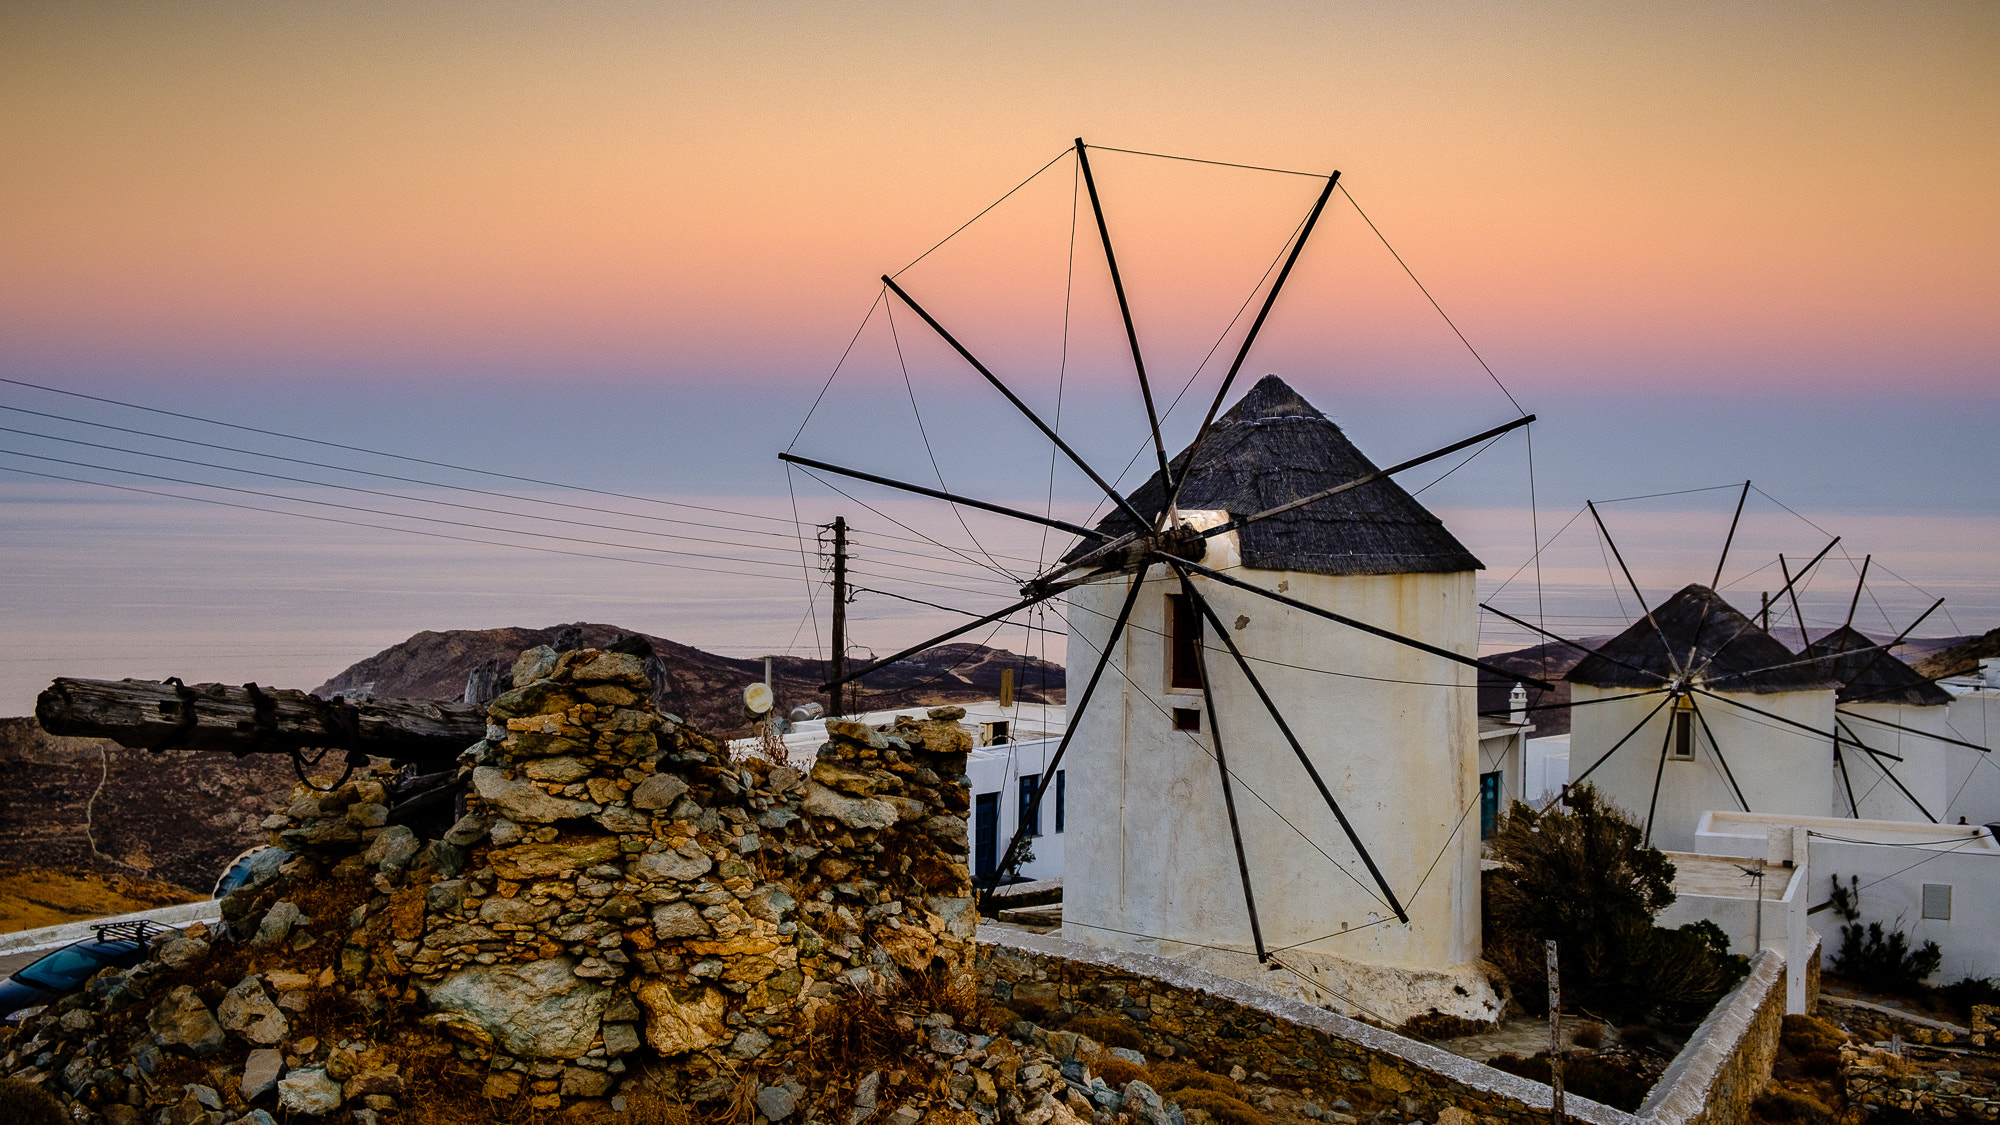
<point x="1489" y="804"/>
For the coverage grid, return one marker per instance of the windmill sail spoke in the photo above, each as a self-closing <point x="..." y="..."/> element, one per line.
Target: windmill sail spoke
<point x="1250" y="337"/>
<point x="937" y="640"/>
<point x="1749" y="624"/>
<point x="1659" y="775"/>
<point x="1573" y="703"/>
<point x="1285" y="728"/>
<point x="1351" y="623"/>
<point x="1070" y="727"/>
<point x="1371" y="478"/>
<point x="1616" y="554"/>
<point x="1717" y="747"/>
<point x="1115" y="496"/>
<point x="1855" y="602"/>
<point x="1900" y="637"/>
<point x="1000" y="509"/>
<point x="1913" y="730"/>
<point x="1716" y="582"/>
<point x="1772" y="715"/>
<point x="1228" y="794"/>
<point x="1125" y="311"/>
<point x="1878" y="755"/>
<point x="1854" y="807"/>
<point x="1582" y="648"/>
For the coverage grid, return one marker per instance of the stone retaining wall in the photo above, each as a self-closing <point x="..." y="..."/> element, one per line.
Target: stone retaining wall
<point x="1185" y="1012"/>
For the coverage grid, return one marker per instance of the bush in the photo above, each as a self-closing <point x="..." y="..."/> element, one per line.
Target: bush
<point x="1106" y="1032"/>
<point x="1788" y="1105"/>
<point x="1116" y="1072"/>
<point x="25" y="1103"/>
<point x="1169" y="1076"/>
<point x="1589" y="1036"/>
<point x="1615" y="1082"/>
<point x="1962" y="995"/>
<point x="1874" y="959"/>
<point x="1584" y="878"/>
<point x="1803" y="1035"/>
<point x="1221" y="1107"/>
<point x="1638" y="1035"/>
<point x="1820" y="1064"/>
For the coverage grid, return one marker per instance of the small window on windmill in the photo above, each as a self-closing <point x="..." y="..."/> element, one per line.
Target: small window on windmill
<point x="1937" y="901"/>
<point x="1183" y="644"/>
<point x="1187" y="718"/>
<point x="1683" y="734"/>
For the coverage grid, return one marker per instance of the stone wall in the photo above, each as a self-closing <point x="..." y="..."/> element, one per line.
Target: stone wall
<point x="1728" y="1060"/>
<point x="618" y="882"/>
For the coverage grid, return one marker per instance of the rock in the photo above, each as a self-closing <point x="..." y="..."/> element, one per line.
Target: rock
<point x="670" y="867"/>
<point x="468" y="830"/>
<point x="659" y="791"/>
<point x="681" y="1019"/>
<point x="1129" y="1055"/>
<point x="523" y="801"/>
<point x="261" y="1071"/>
<point x="854" y="812"/>
<point x="749" y="1044"/>
<point x="533" y="664"/>
<point x="906" y="1115"/>
<point x="865" y="1093"/>
<point x="517" y="911"/>
<point x="946" y="1041"/>
<point x="392" y="849"/>
<point x="1144" y="1104"/>
<point x="182" y="1021"/>
<point x="581" y="1082"/>
<point x="770" y="902"/>
<point x="308" y="1091"/>
<point x="541" y="861"/>
<point x="561" y="771"/>
<point x="853" y="782"/>
<point x="601" y="667"/>
<point x="278" y="922"/>
<point x="780" y="1101"/>
<point x="247" y="1009"/>
<point x="376" y="1080"/>
<point x="537" y="1010"/>
<point x="1452" y="1115"/>
<point x="860" y="733"/>
<point x="620" y="1039"/>
<point x="255" y="1117"/>
<point x="180" y="952"/>
<point x="679" y="920"/>
<point x="364" y="814"/>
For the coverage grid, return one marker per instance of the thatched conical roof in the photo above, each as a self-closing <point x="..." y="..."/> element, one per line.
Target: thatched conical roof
<point x="1272" y="447"/>
<point x="1846" y="653"/>
<point x="1733" y="652"/>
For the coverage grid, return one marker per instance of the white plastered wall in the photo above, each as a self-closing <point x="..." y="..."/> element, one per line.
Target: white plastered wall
<point x="1779" y="768"/>
<point x="1150" y="864"/>
<point x="1972" y="779"/>
<point x="1922" y="770"/>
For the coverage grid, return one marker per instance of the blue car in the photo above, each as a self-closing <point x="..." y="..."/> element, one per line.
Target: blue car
<point x="117" y="945"/>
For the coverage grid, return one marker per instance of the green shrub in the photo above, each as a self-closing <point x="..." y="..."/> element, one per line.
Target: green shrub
<point x="1963" y="994"/>
<point x="25" y="1103"/>
<point x="1803" y="1035"/>
<point x="1872" y="958"/>
<point x="1589" y="1036"/>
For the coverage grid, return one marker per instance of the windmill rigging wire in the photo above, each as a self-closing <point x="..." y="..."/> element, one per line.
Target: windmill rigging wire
<point x="881" y="292"/>
<point x="899" y="523"/>
<point x="806" y="569"/>
<point x="1067" y="151"/>
<point x="1218" y="163"/>
<point x="1062" y="364"/>
<point x="1433" y="300"/>
<point x="923" y="433"/>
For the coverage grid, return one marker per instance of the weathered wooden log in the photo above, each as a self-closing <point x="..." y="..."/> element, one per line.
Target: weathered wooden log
<point x="248" y="719"/>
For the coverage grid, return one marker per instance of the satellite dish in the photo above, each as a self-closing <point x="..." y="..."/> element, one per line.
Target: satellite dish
<point x="757" y="699"/>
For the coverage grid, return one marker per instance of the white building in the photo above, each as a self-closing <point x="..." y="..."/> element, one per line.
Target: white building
<point x="1151" y="862"/>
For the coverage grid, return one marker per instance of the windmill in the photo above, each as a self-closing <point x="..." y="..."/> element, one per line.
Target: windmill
<point x="1297" y="825"/>
<point x="1695" y="706"/>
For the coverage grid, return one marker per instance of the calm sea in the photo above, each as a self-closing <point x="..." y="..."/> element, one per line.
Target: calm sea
<point x="106" y="584"/>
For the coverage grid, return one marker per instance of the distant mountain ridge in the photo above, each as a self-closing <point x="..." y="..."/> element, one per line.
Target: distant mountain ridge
<point x="702" y="687"/>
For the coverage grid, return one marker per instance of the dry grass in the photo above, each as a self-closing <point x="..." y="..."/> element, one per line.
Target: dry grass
<point x="1107" y="1032"/>
<point x="1181" y="1076"/>
<point x="24" y="1103"/>
<point x="869" y="1033"/>
<point x="1803" y="1035"/>
<point x="1220" y="1107"/>
<point x="1117" y="1072"/>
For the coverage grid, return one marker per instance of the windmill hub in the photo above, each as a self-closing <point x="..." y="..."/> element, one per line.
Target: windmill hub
<point x="1182" y="541"/>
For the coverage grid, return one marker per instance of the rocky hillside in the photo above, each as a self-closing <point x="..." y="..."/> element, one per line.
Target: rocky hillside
<point x="90" y="803"/>
<point x="1960" y="658"/>
<point x="700" y="686"/>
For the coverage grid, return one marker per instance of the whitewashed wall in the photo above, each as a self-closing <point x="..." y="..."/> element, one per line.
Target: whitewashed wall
<point x="1973" y="778"/>
<point x="999" y="770"/>
<point x="1780" y="768"/>
<point x="1923" y="770"/>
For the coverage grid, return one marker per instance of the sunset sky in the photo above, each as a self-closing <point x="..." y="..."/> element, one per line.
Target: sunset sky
<point x="627" y="242"/>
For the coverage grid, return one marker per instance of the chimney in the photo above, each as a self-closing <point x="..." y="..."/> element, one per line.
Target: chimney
<point x="1517" y="705"/>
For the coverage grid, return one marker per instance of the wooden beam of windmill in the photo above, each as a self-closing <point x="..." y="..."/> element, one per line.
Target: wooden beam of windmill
<point x="1573" y="703"/>
<point x="1701" y="623"/>
<point x="1285" y="728"/>
<point x="1582" y="648"/>
<point x="1751" y="623"/>
<point x="938" y="494"/>
<point x="1070" y="728"/>
<point x="1379" y="474"/>
<point x="1716" y="746"/>
<point x="1228" y="794"/>
<point x="1076" y="458"/>
<point x="941" y="638"/>
<point x="1250" y="337"/>
<point x="1637" y="727"/>
<point x="1900" y="638"/>
<point x="1878" y="755"/>
<point x="1659" y="775"/>
<point x="1373" y="630"/>
<point x="1665" y="646"/>
<point x="1125" y="311"/>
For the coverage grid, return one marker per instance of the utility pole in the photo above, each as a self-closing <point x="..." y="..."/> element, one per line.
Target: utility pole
<point x="838" y="666"/>
<point x="1555" y="1036"/>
